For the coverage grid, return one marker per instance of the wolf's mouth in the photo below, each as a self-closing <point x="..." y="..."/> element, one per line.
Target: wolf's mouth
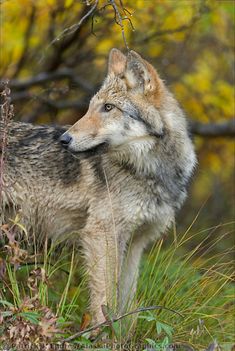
<point x="93" y="151"/>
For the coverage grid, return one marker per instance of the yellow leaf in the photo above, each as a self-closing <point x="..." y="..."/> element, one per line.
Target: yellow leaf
<point x="68" y="3"/>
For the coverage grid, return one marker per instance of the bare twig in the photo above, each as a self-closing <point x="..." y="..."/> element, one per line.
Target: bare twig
<point x="66" y="39"/>
<point x="119" y="20"/>
<point x="115" y="319"/>
<point x="75" y="26"/>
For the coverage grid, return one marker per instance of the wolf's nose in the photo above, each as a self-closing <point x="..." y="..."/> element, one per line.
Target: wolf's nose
<point x="65" y="139"/>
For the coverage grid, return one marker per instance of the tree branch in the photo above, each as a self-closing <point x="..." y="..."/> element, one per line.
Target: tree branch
<point x="212" y="130"/>
<point x="115" y="319"/>
<point x="45" y="77"/>
<point x="62" y="105"/>
<point x="66" y="38"/>
<point x="159" y="33"/>
<point x="119" y="20"/>
<point x="27" y="37"/>
<point x="75" y="26"/>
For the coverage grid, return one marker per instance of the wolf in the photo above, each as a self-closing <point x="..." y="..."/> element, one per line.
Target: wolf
<point x="113" y="181"/>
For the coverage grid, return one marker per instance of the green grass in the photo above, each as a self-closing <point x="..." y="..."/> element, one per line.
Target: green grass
<point x="195" y="284"/>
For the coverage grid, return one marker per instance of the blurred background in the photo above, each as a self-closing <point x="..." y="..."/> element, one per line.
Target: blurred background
<point x="54" y="53"/>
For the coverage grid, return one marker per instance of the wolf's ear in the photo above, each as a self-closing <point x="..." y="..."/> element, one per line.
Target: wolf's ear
<point x="141" y="75"/>
<point x="117" y="62"/>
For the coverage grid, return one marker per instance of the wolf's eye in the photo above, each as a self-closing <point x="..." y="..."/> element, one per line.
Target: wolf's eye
<point x="108" y="107"/>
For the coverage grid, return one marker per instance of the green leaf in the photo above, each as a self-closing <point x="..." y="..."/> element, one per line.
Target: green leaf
<point x="6" y="303"/>
<point x="83" y="341"/>
<point x="159" y="327"/>
<point x="151" y="342"/>
<point x="165" y="342"/>
<point x="116" y="328"/>
<point x="32" y="317"/>
<point x="167" y="328"/>
<point x="147" y="318"/>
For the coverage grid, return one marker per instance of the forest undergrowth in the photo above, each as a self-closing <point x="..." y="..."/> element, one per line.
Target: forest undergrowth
<point x="44" y="298"/>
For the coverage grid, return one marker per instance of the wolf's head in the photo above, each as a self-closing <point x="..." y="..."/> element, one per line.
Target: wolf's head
<point x="125" y="109"/>
<point x="128" y="111"/>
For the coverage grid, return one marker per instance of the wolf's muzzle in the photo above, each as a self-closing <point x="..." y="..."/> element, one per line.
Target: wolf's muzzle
<point x="65" y="139"/>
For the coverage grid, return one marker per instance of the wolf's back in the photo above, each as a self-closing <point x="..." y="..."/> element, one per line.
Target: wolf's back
<point x="33" y="151"/>
<point x="39" y="180"/>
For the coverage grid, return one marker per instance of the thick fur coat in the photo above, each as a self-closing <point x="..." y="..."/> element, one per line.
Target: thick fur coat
<point x="113" y="181"/>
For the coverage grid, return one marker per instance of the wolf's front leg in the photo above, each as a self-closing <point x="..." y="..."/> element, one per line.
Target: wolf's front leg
<point x="130" y="268"/>
<point x="103" y="256"/>
<point x="129" y="275"/>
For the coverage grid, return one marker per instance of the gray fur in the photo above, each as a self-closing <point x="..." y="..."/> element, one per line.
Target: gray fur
<point x="118" y="185"/>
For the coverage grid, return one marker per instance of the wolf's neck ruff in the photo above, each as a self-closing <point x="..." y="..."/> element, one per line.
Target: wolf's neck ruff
<point x="137" y="155"/>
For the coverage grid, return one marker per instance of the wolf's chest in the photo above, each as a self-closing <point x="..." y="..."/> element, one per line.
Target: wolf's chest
<point x="143" y="202"/>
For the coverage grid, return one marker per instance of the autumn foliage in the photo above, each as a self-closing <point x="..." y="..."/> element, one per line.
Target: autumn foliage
<point x="54" y="55"/>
